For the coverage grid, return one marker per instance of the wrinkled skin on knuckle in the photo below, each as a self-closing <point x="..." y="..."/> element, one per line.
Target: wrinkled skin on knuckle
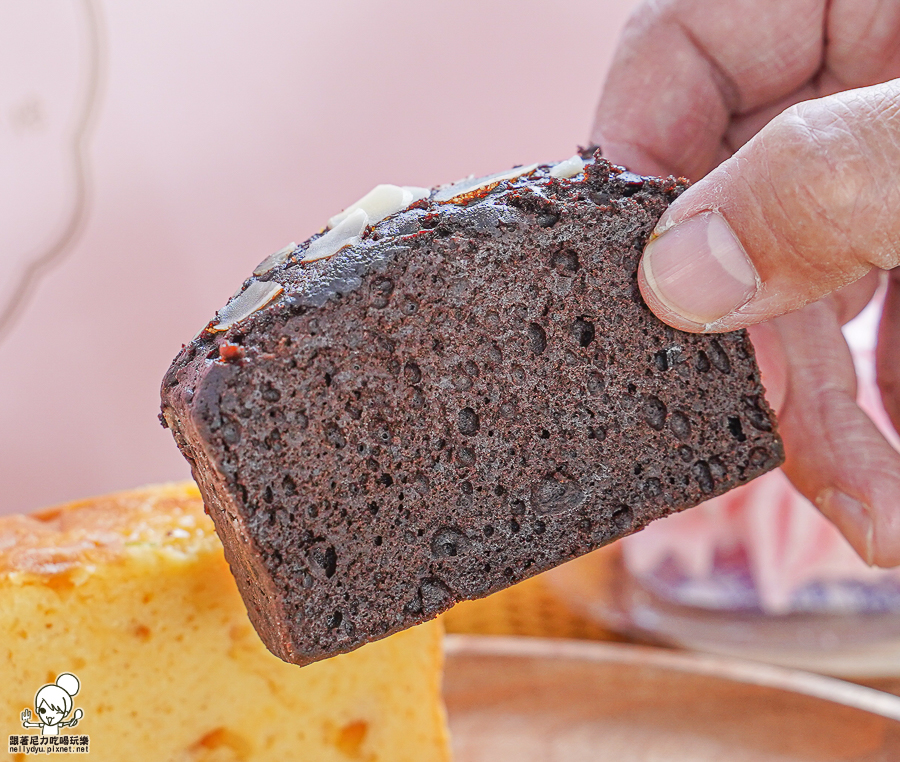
<point x="882" y="135"/>
<point x="842" y="211"/>
<point x="862" y="40"/>
<point x="827" y="154"/>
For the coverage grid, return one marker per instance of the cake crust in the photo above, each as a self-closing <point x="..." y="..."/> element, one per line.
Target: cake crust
<point x="72" y="539"/>
<point x="472" y="393"/>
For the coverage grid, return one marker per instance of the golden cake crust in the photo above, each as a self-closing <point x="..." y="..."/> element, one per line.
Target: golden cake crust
<point x="104" y="529"/>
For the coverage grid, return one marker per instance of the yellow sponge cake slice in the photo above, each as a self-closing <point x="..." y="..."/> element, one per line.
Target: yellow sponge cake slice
<point x="121" y="612"/>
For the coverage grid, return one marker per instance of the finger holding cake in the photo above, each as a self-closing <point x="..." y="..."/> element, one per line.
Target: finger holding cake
<point x="792" y="124"/>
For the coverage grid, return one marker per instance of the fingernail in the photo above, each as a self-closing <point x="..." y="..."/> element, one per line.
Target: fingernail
<point x="699" y="269"/>
<point x="852" y="518"/>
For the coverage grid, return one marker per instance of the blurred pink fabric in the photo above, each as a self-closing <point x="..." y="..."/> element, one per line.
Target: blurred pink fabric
<point x="217" y="133"/>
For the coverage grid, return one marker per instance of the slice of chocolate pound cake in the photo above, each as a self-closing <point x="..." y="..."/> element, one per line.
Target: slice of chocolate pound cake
<point x="449" y="391"/>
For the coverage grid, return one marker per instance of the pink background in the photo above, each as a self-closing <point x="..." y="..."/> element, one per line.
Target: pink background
<point x="223" y="131"/>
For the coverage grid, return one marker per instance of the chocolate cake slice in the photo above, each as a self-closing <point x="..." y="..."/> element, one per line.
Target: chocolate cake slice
<point x="451" y="391"/>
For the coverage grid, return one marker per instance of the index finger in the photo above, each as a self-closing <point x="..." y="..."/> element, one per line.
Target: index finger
<point x="685" y="67"/>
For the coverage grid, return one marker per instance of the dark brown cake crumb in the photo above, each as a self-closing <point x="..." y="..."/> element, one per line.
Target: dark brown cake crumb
<point x="471" y="394"/>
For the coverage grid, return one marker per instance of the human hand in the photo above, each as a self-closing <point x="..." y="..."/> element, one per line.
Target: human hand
<point x="795" y="224"/>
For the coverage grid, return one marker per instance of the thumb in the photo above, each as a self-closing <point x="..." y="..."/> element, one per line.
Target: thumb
<point x="809" y="205"/>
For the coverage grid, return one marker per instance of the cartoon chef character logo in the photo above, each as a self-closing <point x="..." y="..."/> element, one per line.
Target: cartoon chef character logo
<point x="53" y="703"/>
